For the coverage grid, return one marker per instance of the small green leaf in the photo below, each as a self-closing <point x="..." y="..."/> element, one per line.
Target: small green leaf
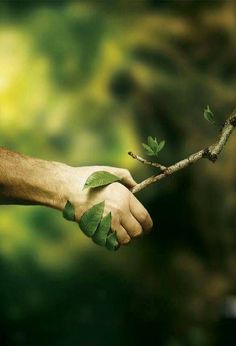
<point x="149" y="151"/>
<point x="150" y="154"/>
<point x="208" y="115"/>
<point x="152" y="142"/>
<point x="90" y="220"/>
<point x="69" y="212"/>
<point x="100" y="178"/>
<point x="161" y="146"/>
<point x="146" y="147"/>
<point x="102" y="231"/>
<point x="112" y="242"/>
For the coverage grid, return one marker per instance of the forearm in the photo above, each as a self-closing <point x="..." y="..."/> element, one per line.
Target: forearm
<point x="26" y="180"/>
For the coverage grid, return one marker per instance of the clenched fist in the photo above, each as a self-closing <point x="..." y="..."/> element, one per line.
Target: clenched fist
<point x="129" y="218"/>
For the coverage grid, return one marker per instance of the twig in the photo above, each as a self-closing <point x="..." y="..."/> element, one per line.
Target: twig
<point x="211" y="153"/>
<point x="146" y="162"/>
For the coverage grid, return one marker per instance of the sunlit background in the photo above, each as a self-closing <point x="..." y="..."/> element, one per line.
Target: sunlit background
<point x="84" y="83"/>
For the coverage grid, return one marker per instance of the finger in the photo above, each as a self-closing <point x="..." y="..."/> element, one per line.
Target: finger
<point x="132" y="226"/>
<point x="140" y="213"/>
<point x="122" y="235"/>
<point x="128" y="180"/>
<point x="126" y="177"/>
<point x="80" y="210"/>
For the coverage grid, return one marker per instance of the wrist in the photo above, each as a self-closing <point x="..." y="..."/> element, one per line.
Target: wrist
<point x="54" y="192"/>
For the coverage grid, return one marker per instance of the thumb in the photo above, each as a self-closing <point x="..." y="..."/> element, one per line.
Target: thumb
<point x="127" y="179"/>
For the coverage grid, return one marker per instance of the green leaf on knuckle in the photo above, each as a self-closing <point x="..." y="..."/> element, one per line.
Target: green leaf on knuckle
<point x="100" y="178"/>
<point x="102" y="231"/>
<point x="94" y="225"/>
<point x="69" y="212"/>
<point x="90" y="220"/>
<point x="112" y="242"/>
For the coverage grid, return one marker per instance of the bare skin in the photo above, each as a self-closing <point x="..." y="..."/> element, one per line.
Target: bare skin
<point x="29" y="181"/>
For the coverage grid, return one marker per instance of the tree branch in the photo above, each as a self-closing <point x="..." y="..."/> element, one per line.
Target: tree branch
<point x="146" y="162"/>
<point x="211" y="153"/>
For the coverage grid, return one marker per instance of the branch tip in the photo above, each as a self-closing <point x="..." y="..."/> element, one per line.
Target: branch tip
<point x="211" y="153"/>
<point x="146" y="162"/>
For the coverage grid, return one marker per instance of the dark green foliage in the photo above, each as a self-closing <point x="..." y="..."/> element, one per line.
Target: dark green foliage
<point x="122" y="85"/>
<point x="174" y="279"/>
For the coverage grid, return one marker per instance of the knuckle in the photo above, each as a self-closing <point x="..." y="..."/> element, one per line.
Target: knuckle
<point x="79" y="212"/>
<point x="125" y="240"/>
<point x="143" y="216"/>
<point x="150" y="224"/>
<point x="137" y="232"/>
<point x="115" y="222"/>
<point x="115" y="185"/>
<point x="126" y="173"/>
<point x="116" y="214"/>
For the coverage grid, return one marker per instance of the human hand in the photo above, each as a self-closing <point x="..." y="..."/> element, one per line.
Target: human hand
<point x="129" y="218"/>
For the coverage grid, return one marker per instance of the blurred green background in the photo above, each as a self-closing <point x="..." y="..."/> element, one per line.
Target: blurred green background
<point x="84" y="83"/>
